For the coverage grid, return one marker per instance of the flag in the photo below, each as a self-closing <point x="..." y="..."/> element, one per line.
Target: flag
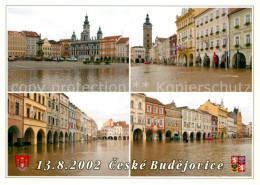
<point x="215" y="58"/>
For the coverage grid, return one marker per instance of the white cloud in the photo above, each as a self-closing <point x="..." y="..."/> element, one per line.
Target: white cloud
<point x="102" y="106"/>
<point x="193" y="100"/>
<point x="58" y="22"/>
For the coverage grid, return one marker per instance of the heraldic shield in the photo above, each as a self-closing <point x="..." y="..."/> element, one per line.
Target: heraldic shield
<point x="22" y="162"/>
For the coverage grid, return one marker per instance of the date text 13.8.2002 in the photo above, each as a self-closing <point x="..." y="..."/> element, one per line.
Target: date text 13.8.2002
<point x="74" y="165"/>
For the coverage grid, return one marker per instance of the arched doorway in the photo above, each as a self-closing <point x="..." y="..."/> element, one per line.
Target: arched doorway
<point x="137" y="60"/>
<point x="223" y="63"/>
<point x="208" y="134"/>
<point x="168" y="134"/>
<point x="124" y="138"/>
<point x="138" y="134"/>
<point x="28" y="136"/>
<point x="216" y="61"/>
<point x="204" y="135"/>
<point x="191" y="135"/>
<point x="142" y="60"/>
<point x="40" y="137"/>
<point x="105" y="138"/>
<point x="110" y="137"/>
<point x="198" y="60"/>
<point x="191" y="59"/>
<point x="159" y="135"/>
<point x="206" y="61"/>
<point x="198" y="136"/>
<point x="185" y="136"/>
<point x="119" y="138"/>
<point x="66" y="137"/>
<point x="14" y="136"/>
<point x="239" y="60"/>
<point x="115" y="137"/>
<point x="149" y="135"/>
<point x="61" y="137"/>
<point x="70" y="137"/>
<point x="49" y="137"/>
<point x="74" y="137"/>
<point x="55" y="137"/>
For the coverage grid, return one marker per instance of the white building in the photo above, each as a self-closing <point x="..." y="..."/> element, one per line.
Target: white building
<point x="188" y="123"/>
<point x="230" y="127"/>
<point x="31" y="39"/>
<point x="122" y="49"/>
<point x="137" y="54"/>
<point x="212" y="37"/>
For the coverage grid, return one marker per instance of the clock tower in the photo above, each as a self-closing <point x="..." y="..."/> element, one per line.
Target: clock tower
<point x="147" y="36"/>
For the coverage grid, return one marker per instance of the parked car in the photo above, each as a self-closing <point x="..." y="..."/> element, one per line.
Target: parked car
<point x="38" y="59"/>
<point x="48" y="59"/>
<point x="12" y="59"/>
<point x="71" y="59"/>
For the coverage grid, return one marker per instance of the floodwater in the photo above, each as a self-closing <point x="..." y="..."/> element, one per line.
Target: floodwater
<point x="101" y="150"/>
<point x="99" y="79"/>
<point x="218" y="151"/>
<point x="165" y="78"/>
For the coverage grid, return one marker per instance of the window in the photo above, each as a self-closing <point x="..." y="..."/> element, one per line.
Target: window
<point x="43" y="100"/>
<point x="223" y="11"/>
<point x="237" y="22"/>
<point x="148" y="108"/>
<point x="49" y="120"/>
<point x="247" y="18"/>
<point x="161" y="111"/>
<point x="28" y="112"/>
<point x="39" y="116"/>
<point x="169" y="122"/>
<point x="149" y="121"/>
<point x="139" y="105"/>
<point x="217" y="28"/>
<point x="224" y="42"/>
<point x="211" y="16"/>
<point x="155" y="110"/>
<point x="161" y="122"/>
<point x="132" y="104"/>
<point x="34" y="96"/>
<point x="16" y="108"/>
<point x="39" y="98"/>
<point x="248" y="38"/>
<point x="207" y="31"/>
<point x="154" y="121"/>
<point x="49" y="103"/>
<point x="207" y="18"/>
<point x="211" y="30"/>
<point x="139" y="120"/>
<point x="224" y="26"/>
<point x="217" y="42"/>
<point x="201" y="33"/>
<point x="217" y="13"/>
<point x="211" y="44"/>
<point x="237" y="40"/>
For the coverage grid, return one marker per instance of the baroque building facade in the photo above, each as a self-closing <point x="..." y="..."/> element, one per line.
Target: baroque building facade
<point x="86" y="48"/>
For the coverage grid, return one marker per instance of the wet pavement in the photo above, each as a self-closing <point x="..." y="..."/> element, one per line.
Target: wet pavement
<point x="101" y="150"/>
<point x="218" y="151"/>
<point x="64" y="80"/>
<point x="165" y="78"/>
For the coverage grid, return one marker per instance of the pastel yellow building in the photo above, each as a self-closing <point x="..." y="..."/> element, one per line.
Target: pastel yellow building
<point x="17" y="44"/>
<point x="35" y="118"/>
<point x="220" y="112"/>
<point x="46" y="48"/>
<point x="186" y="36"/>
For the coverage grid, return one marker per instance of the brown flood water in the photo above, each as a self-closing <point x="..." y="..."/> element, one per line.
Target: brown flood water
<point x="219" y="150"/>
<point x="103" y="150"/>
<point x="100" y="79"/>
<point x="165" y="78"/>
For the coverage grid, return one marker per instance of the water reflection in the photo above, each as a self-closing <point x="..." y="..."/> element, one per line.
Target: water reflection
<point x="69" y="80"/>
<point x="219" y="150"/>
<point x="179" y="79"/>
<point x="97" y="150"/>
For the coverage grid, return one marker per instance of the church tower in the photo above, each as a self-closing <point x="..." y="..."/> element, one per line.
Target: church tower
<point x="99" y="34"/>
<point x="85" y="35"/>
<point x="73" y="37"/>
<point x="147" y="36"/>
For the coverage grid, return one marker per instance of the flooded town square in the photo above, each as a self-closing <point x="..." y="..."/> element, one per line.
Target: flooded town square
<point x="165" y="78"/>
<point x="95" y="151"/>
<point x="67" y="76"/>
<point x="218" y="151"/>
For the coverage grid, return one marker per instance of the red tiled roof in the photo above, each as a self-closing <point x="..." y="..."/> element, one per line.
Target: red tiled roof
<point x="31" y="33"/>
<point x="123" y="40"/>
<point x="111" y="37"/>
<point x="234" y="10"/>
<point x="153" y="100"/>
